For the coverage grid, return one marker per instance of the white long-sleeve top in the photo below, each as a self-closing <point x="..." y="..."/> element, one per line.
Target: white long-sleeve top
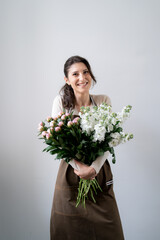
<point x="97" y="99"/>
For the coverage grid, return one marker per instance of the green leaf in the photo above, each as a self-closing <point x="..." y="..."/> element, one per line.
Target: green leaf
<point x="55" y="142"/>
<point x="73" y="133"/>
<point x="48" y="148"/>
<point x="100" y="152"/>
<point x="48" y="141"/>
<point x="78" y="156"/>
<point x="60" y="155"/>
<point x="60" y="140"/>
<point x="55" y="151"/>
<point x="79" y="146"/>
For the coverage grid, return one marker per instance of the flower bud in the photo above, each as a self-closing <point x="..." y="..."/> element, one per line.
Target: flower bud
<point x="41" y="124"/>
<point x="44" y="133"/>
<point x="60" y="114"/>
<point x="49" y="119"/>
<point x="48" y="135"/>
<point x="60" y="124"/>
<point x="63" y="117"/>
<point x="48" y="130"/>
<point x="52" y="123"/>
<point x="57" y="129"/>
<point x="40" y="128"/>
<point x="69" y="124"/>
<point x="75" y="120"/>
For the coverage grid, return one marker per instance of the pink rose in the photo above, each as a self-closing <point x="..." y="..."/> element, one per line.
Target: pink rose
<point x="60" y="124"/>
<point x="41" y="124"/>
<point x="60" y="114"/>
<point x="75" y="120"/>
<point x="49" y="119"/>
<point x="51" y="123"/>
<point x="63" y="117"/>
<point x="40" y="128"/>
<point x="69" y="124"/>
<point x="48" y="135"/>
<point x="44" y="133"/>
<point x="57" y="129"/>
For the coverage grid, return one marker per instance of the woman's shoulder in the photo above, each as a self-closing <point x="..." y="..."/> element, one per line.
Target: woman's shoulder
<point x="101" y="98"/>
<point x="57" y="105"/>
<point x="57" y="98"/>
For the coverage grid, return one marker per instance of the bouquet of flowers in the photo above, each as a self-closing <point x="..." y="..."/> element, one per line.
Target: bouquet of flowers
<point x="95" y="131"/>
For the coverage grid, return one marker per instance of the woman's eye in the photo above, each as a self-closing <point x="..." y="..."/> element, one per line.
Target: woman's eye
<point x="85" y="72"/>
<point x="74" y="74"/>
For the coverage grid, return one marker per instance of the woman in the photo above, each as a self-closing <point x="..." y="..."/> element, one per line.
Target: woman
<point x="100" y="220"/>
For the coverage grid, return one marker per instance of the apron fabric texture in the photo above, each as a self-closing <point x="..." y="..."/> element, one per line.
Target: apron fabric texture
<point x="97" y="221"/>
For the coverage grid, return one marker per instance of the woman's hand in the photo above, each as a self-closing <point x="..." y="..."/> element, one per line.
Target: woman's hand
<point x="85" y="172"/>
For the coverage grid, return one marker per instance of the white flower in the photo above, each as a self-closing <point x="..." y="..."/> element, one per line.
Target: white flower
<point x="114" y="143"/>
<point x="96" y="121"/>
<point x="110" y="128"/>
<point x="114" y="121"/>
<point x="99" y="133"/>
<point x="115" y="135"/>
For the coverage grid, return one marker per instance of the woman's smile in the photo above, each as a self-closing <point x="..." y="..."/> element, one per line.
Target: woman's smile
<point x="83" y="84"/>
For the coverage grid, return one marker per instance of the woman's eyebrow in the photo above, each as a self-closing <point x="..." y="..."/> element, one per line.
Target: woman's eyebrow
<point x="78" y="71"/>
<point x="74" y="72"/>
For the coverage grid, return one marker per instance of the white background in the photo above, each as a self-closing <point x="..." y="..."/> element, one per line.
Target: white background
<point x="121" y="40"/>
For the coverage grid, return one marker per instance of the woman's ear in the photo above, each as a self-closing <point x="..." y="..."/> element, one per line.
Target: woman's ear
<point x="66" y="80"/>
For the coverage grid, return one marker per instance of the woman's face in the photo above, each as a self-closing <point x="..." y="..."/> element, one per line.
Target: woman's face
<point x="79" y="78"/>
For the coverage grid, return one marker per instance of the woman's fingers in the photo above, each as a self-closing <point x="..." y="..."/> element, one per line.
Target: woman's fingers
<point x="86" y="172"/>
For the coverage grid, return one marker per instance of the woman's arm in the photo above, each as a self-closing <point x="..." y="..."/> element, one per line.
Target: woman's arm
<point x="98" y="163"/>
<point x="57" y="106"/>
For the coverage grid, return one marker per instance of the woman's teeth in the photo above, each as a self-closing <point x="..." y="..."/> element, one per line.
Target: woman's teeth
<point x="82" y="84"/>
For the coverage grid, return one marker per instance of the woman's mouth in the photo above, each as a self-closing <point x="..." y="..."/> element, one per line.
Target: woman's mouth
<point x="82" y="84"/>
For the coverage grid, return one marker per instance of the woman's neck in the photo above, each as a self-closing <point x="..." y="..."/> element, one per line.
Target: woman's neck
<point x="82" y="100"/>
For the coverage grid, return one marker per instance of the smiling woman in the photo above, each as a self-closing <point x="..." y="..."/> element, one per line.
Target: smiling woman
<point x="98" y="220"/>
<point x="78" y="78"/>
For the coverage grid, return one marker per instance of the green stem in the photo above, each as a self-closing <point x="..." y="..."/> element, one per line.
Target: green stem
<point x="86" y="187"/>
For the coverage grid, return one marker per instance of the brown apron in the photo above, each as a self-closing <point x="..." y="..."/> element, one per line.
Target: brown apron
<point x="98" y="221"/>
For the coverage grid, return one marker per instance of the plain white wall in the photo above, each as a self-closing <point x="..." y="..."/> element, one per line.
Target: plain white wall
<point x="121" y="41"/>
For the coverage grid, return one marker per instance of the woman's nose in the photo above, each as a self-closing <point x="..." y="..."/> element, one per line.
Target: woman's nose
<point x="81" y="76"/>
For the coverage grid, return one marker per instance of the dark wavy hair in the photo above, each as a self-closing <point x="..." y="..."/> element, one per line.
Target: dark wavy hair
<point x="66" y="92"/>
